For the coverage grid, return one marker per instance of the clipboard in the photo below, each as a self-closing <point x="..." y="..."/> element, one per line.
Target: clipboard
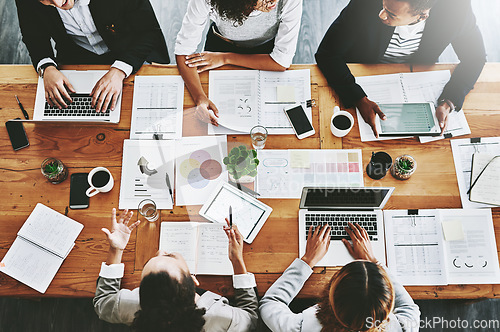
<point x="249" y="214"/>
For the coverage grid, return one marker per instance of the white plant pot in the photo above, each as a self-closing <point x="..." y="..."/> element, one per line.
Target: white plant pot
<point x="243" y="179"/>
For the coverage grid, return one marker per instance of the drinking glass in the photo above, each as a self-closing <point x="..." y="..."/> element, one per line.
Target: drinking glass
<point x="147" y="209"/>
<point x="258" y="134"/>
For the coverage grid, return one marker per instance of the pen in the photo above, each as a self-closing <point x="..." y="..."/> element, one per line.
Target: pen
<point x="230" y="217"/>
<point x="22" y="109"/>
<point x="167" y="179"/>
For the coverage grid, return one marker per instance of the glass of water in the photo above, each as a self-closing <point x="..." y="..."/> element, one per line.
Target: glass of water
<point x="147" y="209"/>
<point x="258" y="134"/>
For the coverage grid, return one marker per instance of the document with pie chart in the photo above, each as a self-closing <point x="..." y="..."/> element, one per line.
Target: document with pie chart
<point x="199" y="168"/>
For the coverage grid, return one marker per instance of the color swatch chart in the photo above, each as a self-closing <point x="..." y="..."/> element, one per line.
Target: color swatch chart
<point x="283" y="173"/>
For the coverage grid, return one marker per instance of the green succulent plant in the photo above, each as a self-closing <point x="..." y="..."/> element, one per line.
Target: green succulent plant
<point x="405" y="165"/>
<point x="241" y="161"/>
<point x="51" y="168"/>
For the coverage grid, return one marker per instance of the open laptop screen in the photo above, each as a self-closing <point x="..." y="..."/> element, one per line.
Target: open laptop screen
<point x="350" y="198"/>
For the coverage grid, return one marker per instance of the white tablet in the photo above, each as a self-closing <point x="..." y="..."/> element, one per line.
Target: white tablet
<point x="249" y="214"/>
<point x="408" y="119"/>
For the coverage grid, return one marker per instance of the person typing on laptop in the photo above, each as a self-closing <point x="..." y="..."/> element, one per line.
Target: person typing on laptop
<point x="402" y="31"/>
<point x="362" y="296"/>
<point x="121" y="33"/>
<point x="168" y="299"/>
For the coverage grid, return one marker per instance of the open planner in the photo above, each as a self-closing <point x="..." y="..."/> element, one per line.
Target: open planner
<point x="42" y="244"/>
<point x="441" y="247"/>
<point x="246" y="98"/>
<point x="204" y="246"/>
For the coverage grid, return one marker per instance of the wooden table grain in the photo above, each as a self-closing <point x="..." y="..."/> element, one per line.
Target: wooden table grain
<point x="434" y="185"/>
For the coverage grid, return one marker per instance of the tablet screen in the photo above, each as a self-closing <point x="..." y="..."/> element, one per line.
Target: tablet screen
<point x="408" y="118"/>
<point x="246" y="214"/>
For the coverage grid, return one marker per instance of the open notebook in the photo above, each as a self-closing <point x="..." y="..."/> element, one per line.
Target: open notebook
<point x="204" y="246"/>
<point x="42" y="244"/>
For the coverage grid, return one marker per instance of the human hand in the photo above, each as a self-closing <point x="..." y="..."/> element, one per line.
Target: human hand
<point x="442" y="112"/>
<point x="235" y="251"/>
<point x="55" y="84"/>
<point x="368" y="110"/>
<point x="206" y="111"/>
<point x="120" y="229"/>
<point x="361" y="248"/>
<point x="206" y="60"/>
<point x="107" y="90"/>
<point x="317" y="245"/>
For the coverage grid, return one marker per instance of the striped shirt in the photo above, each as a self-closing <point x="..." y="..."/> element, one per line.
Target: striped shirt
<point x="404" y="43"/>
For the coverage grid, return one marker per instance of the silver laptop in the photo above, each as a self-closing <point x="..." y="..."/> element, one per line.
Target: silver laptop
<point x="80" y="110"/>
<point x="338" y="206"/>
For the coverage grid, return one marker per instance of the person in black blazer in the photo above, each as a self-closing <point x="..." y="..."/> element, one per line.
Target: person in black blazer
<point x="122" y="33"/>
<point x="365" y="28"/>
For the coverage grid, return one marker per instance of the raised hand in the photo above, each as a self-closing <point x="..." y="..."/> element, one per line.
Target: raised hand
<point x="235" y="251"/>
<point x="120" y="229"/>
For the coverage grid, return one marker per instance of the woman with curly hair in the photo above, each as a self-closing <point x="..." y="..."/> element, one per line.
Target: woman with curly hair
<point x="256" y="34"/>
<point x="168" y="299"/>
<point x="362" y="296"/>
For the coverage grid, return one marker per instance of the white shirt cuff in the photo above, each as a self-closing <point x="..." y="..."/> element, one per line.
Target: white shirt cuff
<point x="112" y="271"/>
<point x="44" y="61"/>
<point x="244" y="280"/>
<point x="124" y="67"/>
<point x="282" y="59"/>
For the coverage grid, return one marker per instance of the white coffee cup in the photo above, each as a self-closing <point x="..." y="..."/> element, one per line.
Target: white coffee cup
<point x="341" y="132"/>
<point x="100" y="181"/>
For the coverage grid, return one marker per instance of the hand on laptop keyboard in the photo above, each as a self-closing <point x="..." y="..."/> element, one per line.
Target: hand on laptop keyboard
<point x="317" y="245"/>
<point x="107" y="90"/>
<point x="361" y="247"/>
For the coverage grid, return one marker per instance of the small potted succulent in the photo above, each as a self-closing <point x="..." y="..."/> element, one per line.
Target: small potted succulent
<point x="403" y="167"/>
<point x="54" y="170"/>
<point x="241" y="164"/>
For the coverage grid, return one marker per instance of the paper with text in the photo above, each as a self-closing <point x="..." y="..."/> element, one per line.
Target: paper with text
<point x="157" y="107"/>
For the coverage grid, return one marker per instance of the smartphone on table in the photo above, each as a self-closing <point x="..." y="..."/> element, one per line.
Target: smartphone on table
<point x="17" y="134"/>
<point x="301" y="124"/>
<point x="79" y="184"/>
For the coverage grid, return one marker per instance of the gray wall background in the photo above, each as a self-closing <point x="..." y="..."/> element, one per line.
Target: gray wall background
<point x="317" y="17"/>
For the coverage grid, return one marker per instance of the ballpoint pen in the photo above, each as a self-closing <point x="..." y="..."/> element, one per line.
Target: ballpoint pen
<point x="22" y="109"/>
<point x="230" y="217"/>
<point x="167" y="179"/>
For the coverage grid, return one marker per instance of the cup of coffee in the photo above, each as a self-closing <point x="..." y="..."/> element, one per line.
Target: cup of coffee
<point x="341" y="122"/>
<point x="378" y="166"/>
<point x="100" y="181"/>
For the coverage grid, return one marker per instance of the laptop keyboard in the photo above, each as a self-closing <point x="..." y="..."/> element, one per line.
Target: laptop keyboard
<point x="81" y="106"/>
<point x="338" y="222"/>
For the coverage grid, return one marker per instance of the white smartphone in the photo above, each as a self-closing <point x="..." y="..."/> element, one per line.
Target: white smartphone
<point x="301" y="124"/>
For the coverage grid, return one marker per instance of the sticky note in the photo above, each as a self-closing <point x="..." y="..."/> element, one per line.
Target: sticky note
<point x="285" y="93"/>
<point x="453" y="230"/>
<point x="2" y="264"/>
<point x="300" y="159"/>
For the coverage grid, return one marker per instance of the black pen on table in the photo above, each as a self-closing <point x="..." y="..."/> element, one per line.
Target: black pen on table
<point x="167" y="179"/>
<point x="22" y="109"/>
<point x="230" y="217"/>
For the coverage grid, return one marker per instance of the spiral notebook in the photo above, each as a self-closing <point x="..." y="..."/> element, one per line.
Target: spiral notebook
<point x="246" y="98"/>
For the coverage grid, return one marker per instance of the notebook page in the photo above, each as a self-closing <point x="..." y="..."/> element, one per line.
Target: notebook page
<point x="212" y="255"/>
<point x="51" y="230"/>
<point x="31" y="265"/>
<point x="180" y="237"/>
<point x="487" y="188"/>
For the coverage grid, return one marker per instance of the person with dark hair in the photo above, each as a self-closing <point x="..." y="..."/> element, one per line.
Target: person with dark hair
<point x="362" y="296"/>
<point x="120" y="33"/>
<point x="168" y="299"/>
<point x="402" y="31"/>
<point x="256" y="34"/>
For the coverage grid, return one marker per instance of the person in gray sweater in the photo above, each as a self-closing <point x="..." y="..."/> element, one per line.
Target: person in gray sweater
<point x="362" y="296"/>
<point x="167" y="299"/>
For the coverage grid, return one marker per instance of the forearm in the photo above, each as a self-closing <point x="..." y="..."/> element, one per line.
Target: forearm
<point x="191" y="78"/>
<point x="114" y="256"/>
<point x="253" y="61"/>
<point x="239" y="266"/>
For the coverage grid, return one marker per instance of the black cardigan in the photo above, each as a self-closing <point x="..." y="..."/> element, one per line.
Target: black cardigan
<point x="359" y="36"/>
<point x="128" y="27"/>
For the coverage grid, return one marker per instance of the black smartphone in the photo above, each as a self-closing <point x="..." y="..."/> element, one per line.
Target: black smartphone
<point x="78" y="198"/>
<point x="17" y="134"/>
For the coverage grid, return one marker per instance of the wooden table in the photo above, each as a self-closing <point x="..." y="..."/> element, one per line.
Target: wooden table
<point x="434" y="185"/>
